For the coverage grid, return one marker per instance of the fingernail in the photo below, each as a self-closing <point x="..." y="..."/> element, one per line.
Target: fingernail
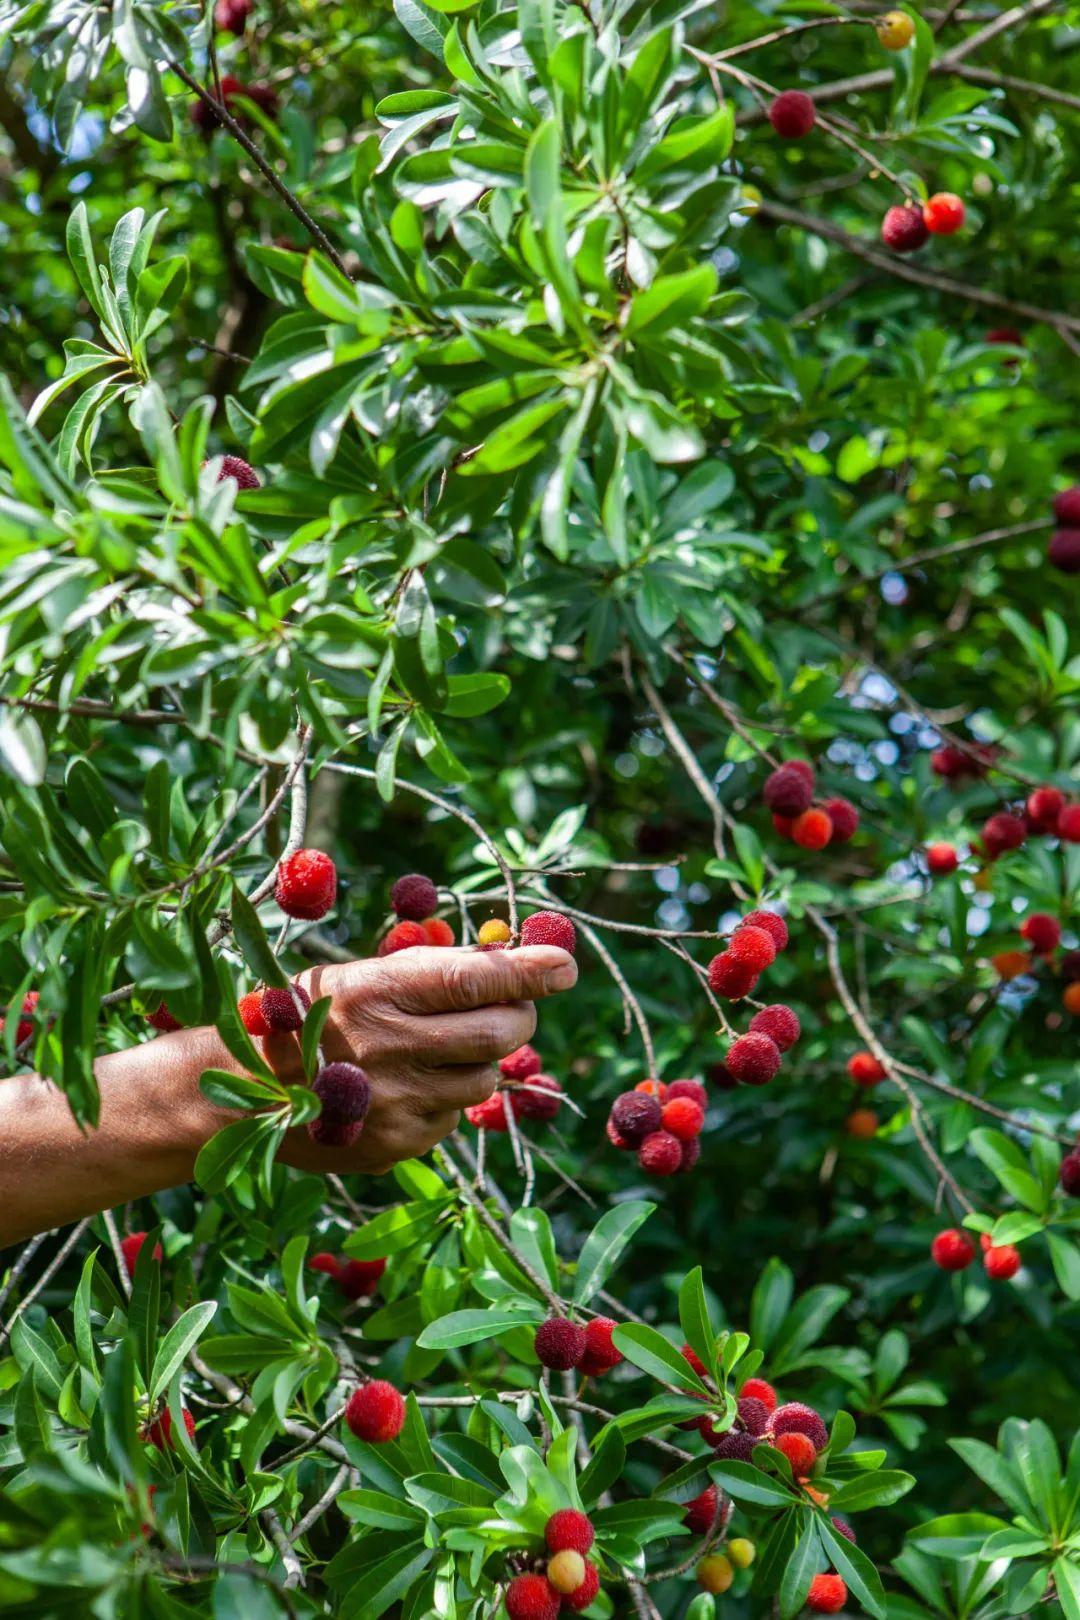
<point x="562" y="978"/>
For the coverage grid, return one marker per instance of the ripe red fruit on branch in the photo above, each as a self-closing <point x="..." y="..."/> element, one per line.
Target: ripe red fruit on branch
<point x="731" y="978"/>
<point x="1002" y="831"/>
<point x="600" y="1353"/>
<point x="1042" y="932"/>
<point x="521" y="1063"/>
<point x="1002" y="1261"/>
<point x="559" y="1343"/>
<point x="540" y="1098"/>
<point x="130" y="1248"/>
<point x="953" y="763"/>
<point x="845" y="1529"/>
<point x="636" y="1115"/>
<point x="753" y="1059"/>
<point x="754" y="1415"/>
<point x="865" y="1069"/>
<point x="844" y="817"/>
<point x="792" y="114"/>
<point x="760" y="1390"/>
<point x="941" y="859"/>
<point x="779" y="1023"/>
<point x="797" y="1418"/>
<point x="161" y="1018"/>
<point x="952" y="1250"/>
<point x="569" y="1531"/>
<point x="1068" y="826"/>
<point x="903" y="229"/>
<point x="1063" y="551"/>
<point x="251" y="1013"/>
<point x="799" y="1450"/>
<point x="1044" y="806"/>
<point x="753" y="947"/>
<point x="376" y="1412"/>
<point x="25" y="1028"/>
<point x="812" y="830"/>
<point x="437" y="931"/>
<point x="306" y="884"/>
<point x="943" y="213"/>
<point x="345" y="1093"/>
<point x="661" y="1154"/>
<point x="235" y="466"/>
<point x="328" y="1264"/>
<point x="1067" y="507"/>
<point x="413" y="897"/>
<point x="402" y="937"/>
<point x="771" y="923"/>
<point x="700" y="1515"/>
<point x="862" y="1124"/>
<point x="692" y="1359"/>
<point x="1069" y="1174"/>
<point x="285" y="1010"/>
<point x="532" y="1597"/>
<point x="827" y="1594"/>
<point x="585" y="1593"/>
<point x="689" y="1088"/>
<point x="683" y="1117"/>
<point x="652" y="1088"/>
<point x="358" y="1279"/>
<point x="160" y="1432"/>
<point x="549" y="928"/>
<point x="736" y="1446"/>
<point x="231" y="15"/>
<point x="490" y="1115"/>
<point x="788" y="791"/>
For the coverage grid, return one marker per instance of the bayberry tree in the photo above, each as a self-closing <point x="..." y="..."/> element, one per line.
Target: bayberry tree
<point x="620" y="461"/>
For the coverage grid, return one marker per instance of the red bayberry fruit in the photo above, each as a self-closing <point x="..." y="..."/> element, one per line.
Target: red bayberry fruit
<point x="754" y="947"/>
<point x="1002" y="1261"/>
<point x="532" y="1597"/>
<point x="779" y="1023"/>
<point x="757" y="1389"/>
<point x="753" y="1059"/>
<point x="130" y="1247"/>
<point x="1044" y="806"/>
<point x="660" y="1154"/>
<point x="285" y="1010"/>
<point x="796" y="1418"/>
<point x="812" y="830"/>
<point x="773" y="925"/>
<point x="490" y="1115"/>
<point x="345" y="1093"/>
<point x="688" y="1088"/>
<point x="161" y="1018"/>
<point x="583" y="1595"/>
<point x="358" y="1279"/>
<point x="615" y="1139"/>
<point x="844" y="817"/>
<point x="701" y="1511"/>
<point x="438" y="931"/>
<point x="549" y="928"/>
<point x="1005" y="334"/>
<point x="941" y="859"/>
<point x="1068" y="826"/>
<point x="952" y="1250"/>
<point x="903" y="229"/>
<point x="865" y="1069"/>
<point x="1042" y="932"/>
<point x="683" y="1117"/>
<point x="413" y="897"/>
<point x="730" y="977"/>
<point x="160" y="1432"/>
<point x="799" y="1450"/>
<point x="600" y="1353"/>
<point x="521" y="1064"/>
<point x="845" y="1529"/>
<point x="792" y="114"/>
<point x="636" y="1115"/>
<point x="754" y="1415"/>
<point x="402" y="937"/>
<point x="789" y="790"/>
<point x="539" y="1098"/>
<point x="25" y="1028"/>
<point x="652" y="1088"/>
<point x="736" y="1446"/>
<point x="251" y="1013"/>
<point x="306" y="884"/>
<point x="827" y="1594"/>
<point x="560" y="1343"/>
<point x="1002" y="831"/>
<point x="943" y="213"/>
<point x="691" y="1357"/>
<point x="376" y="1412"/>
<point x="234" y="466"/>
<point x="1069" y="1174"/>
<point x="1063" y="551"/>
<point x="569" y="1531"/>
<point x="231" y="15"/>
<point x="783" y="825"/>
<point x="328" y="1264"/>
<point x="1067" y="507"/>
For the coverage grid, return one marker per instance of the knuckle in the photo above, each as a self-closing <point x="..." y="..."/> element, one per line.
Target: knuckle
<point x="458" y="980"/>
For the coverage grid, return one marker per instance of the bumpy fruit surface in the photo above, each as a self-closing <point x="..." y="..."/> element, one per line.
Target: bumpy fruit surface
<point x="306" y="884"/>
<point x="800" y="1452"/>
<point x="1063" y="552"/>
<point x="559" y="1343"/>
<point x="788" y="791"/>
<point x="585" y="1593"/>
<point x="943" y="213"/>
<point x="358" y="1279"/>
<point x="715" y="1573"/>
<point x="251" y="1013"/>
<point x="773" y="925"/>
<point x="161" y="1018"/>
<point x="660" y="1154"/>
<point x="827" y="1594"/>
<point x="692" y="1359"/>
<point x="754" y="947"/>
<point x="753" y="1059"/>
<point x="345" y="1093"/>
<point x="566" y="1571"/>
<point x="493" y="932"/>
<point x="532" y="1597"/>
<point x="759" y="1390"/>
<point x="736" y="1446"/>
<point x="569" y="1530"/>
<point x="700" y="1515"/>
<point x="1068" y="826"/>
<point x="402" y="937"/>
<point x="792" y="115"/>
<point x="636" y="1115"/>
<point x="895" y="30"/>
<point x="600" y="1352"/>
<point x="683" y="1117"/>
<point x="731" y="978"/>
<point x="231" y="17"/>
<point x="741" y="1552"/>
<point x="1044" y="806"/>
<point x="160" y="1432"/>
<point x="327" y="1264"/>
<point x="376" y="1412"/>
<point x="864" y="1069"/>
<point x="130" y="1248"/>
<point x="952" y="1250"/>
<point x="285" y="1010"/>
<point x="845" y="1529"/>
<point x="540" y="1098"/>
<point x="413" y="897"/>
<point x="779" y="1023"/>
<point x="941" y="859"/>
<point x="521" y="1064"/>
<point x="1067" y="507"/>
<point x="812" y="830"/>
<point x="754" y="1415"/>
<point x="235" y="466"/>
<point x="1042" y="932"/>
<point x="689" y="1088"/>
<point x="437" y="931"/>
<point x="1002" y="1262"/>
<point x="903" y="229"/>
<point x="491" y="1114"/>
<point x="797" y="1418"/>
<point x="845" y="819"/>
<point x="549" y="928"/>
<point x="1002" y="831"/>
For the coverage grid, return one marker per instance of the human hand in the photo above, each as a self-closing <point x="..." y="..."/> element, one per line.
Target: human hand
<point x="426" y="1025"/>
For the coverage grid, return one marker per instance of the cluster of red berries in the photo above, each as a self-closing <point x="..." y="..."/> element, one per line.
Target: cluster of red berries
<point x="1069" y="1174"/>
<point x="789" y="795"/>
<point x="661" y="1124"/>
<point x="953" y="1250"/>
<point x="569" y="1579"/>
<point x="1064" y="548"/>
<point x="954" y="763"/>
<point x="355" y="1279"/>
<point x="159" y="1432"/>
<point x="754" y="1058"/>
<point x="205" y="117"/>
<point x="343" y="1088"/>
<point x="375" y="1412"/>
<point x="528" y="1094"/>
<point x="907" y="226"/>
<point x="562" y="1345"/>
<point x="793" y="1429"/>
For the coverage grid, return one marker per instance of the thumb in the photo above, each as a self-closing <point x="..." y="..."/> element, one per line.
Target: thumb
<point x="435" y="979"/>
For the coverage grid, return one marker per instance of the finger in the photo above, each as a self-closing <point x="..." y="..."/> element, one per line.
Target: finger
<point x="463" y="1086"/>
<point x="484" y="1036"/>
<point x="432" y="979"/>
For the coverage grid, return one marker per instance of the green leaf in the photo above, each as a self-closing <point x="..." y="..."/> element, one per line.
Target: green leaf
<point x="469" y="1327"/>
<point x="178" y="1341"/>
<point x="748" y="1484"/>
<point x="603" y="1247"/>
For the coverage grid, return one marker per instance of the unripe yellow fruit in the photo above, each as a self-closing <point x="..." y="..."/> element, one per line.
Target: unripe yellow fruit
<point x="741" y="1552"/>
<point x="715" y="1573"/>
<point x="566" y="1571"/>
<point x="494" y="932"/>
<point x="750" y="200"/>
<point x="895" y="30"/>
